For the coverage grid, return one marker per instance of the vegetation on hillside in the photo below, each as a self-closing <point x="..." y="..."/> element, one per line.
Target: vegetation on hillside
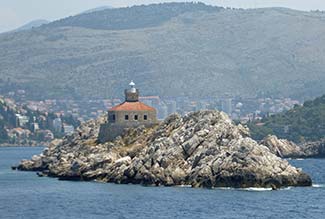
<point x="172" y="49"/>
<point x="3" y="133"/>
<point x="132" y="17"/>
<point x="302" y="123"/>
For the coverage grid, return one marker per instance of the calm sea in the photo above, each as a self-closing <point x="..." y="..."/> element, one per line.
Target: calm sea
<point x="24" y="195"/>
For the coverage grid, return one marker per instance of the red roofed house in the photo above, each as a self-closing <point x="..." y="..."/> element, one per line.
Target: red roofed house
<point x="129" y="114"/>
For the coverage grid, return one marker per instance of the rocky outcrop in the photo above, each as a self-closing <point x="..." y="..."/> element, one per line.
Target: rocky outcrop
<point x="282" y="147"/>
<point x="201" y="149"/>
<point x="315" y="149"/>
<point x="287" y="149"/>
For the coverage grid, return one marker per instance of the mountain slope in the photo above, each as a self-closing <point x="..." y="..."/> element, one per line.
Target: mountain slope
<point x="198" y="51"/>
<point x="131" y="18"/>
<point x="32" y="24"/>
<point x="97" y="9"/>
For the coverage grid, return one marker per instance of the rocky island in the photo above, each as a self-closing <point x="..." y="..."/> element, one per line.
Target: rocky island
<point x="288" y="149"/>
<point x="200" y="149"/>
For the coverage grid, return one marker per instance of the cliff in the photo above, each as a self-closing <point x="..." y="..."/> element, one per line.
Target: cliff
<point x="282" y="147"/>
<point x="315" y="149"/>
<point x="201" y="149"/>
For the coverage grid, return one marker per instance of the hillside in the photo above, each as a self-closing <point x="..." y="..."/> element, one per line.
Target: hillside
<point x="302" y="123"/>
<point x="96" y="9"/>
<point x="32" y="24"/>
<point x="176" y="49"/>
<point x="132" y="18"/>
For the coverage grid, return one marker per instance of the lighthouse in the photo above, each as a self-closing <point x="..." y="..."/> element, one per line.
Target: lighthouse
<point x="129" y="114"/>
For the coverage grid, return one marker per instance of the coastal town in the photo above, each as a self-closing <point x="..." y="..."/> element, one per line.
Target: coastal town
<point x="60" y="117"/>
<point x="238" y="108"/>
<point x="21" y="125"/>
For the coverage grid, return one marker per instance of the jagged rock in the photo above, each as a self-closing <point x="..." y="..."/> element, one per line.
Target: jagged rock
<point x="287" y="149"/>
<point x="315" y="149"/>
<point x="201" y="149"/>
<point x="283" y="148"/>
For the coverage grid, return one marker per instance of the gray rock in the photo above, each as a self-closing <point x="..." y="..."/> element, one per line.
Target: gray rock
<point x="283" y="148"/>
<point x="315" y="149"/>
<point x="201" y="149"/>
<point x="287" y="149"/>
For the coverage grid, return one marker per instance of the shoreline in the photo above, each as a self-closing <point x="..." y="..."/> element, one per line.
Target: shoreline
<point x="26" y="146"/>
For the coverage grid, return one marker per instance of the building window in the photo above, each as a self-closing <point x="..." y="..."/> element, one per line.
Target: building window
<point x="112" y="118"/>
<point x="135" y="117"/>
<point x="126" y="117"/>
<point x="145" y="117"/>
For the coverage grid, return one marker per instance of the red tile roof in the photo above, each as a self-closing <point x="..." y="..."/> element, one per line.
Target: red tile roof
<point x="132" y="106"/>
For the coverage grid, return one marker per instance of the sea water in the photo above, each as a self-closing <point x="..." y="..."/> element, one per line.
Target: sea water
<point x="25" y="195"/>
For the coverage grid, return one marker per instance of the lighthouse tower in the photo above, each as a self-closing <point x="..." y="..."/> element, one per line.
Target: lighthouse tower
<point x="129" y="114"/>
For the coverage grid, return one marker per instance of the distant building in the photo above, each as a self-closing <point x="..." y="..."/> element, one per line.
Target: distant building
<point x="131" y="113"/>
<point x="48" y="135"/>
<point x="172" y="106"/>
<point x="21" y="92"/>
<point x="150" y="100"/>
<point x="21" y="120"/>
<point x="162" y="111"/>
<point x="45" y="135"/>
<point x="57" y="125"/>
<point x="226" y="106"/>
<point x="68" y="129"/>
<point x="35" y="127"/>
<point x="19" y="133"/>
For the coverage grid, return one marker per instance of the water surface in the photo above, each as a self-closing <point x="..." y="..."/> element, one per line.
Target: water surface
<point x="24" y="195"/>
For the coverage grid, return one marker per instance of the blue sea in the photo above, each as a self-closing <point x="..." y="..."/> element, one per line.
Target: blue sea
<point x="25" y="195"/>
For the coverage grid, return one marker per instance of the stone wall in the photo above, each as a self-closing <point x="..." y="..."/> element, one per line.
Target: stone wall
<point x="109" y="131"/>
<point x="117" y="123"/>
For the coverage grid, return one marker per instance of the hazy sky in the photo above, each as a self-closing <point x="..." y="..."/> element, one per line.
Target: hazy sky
<point x="14" y="13"/>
